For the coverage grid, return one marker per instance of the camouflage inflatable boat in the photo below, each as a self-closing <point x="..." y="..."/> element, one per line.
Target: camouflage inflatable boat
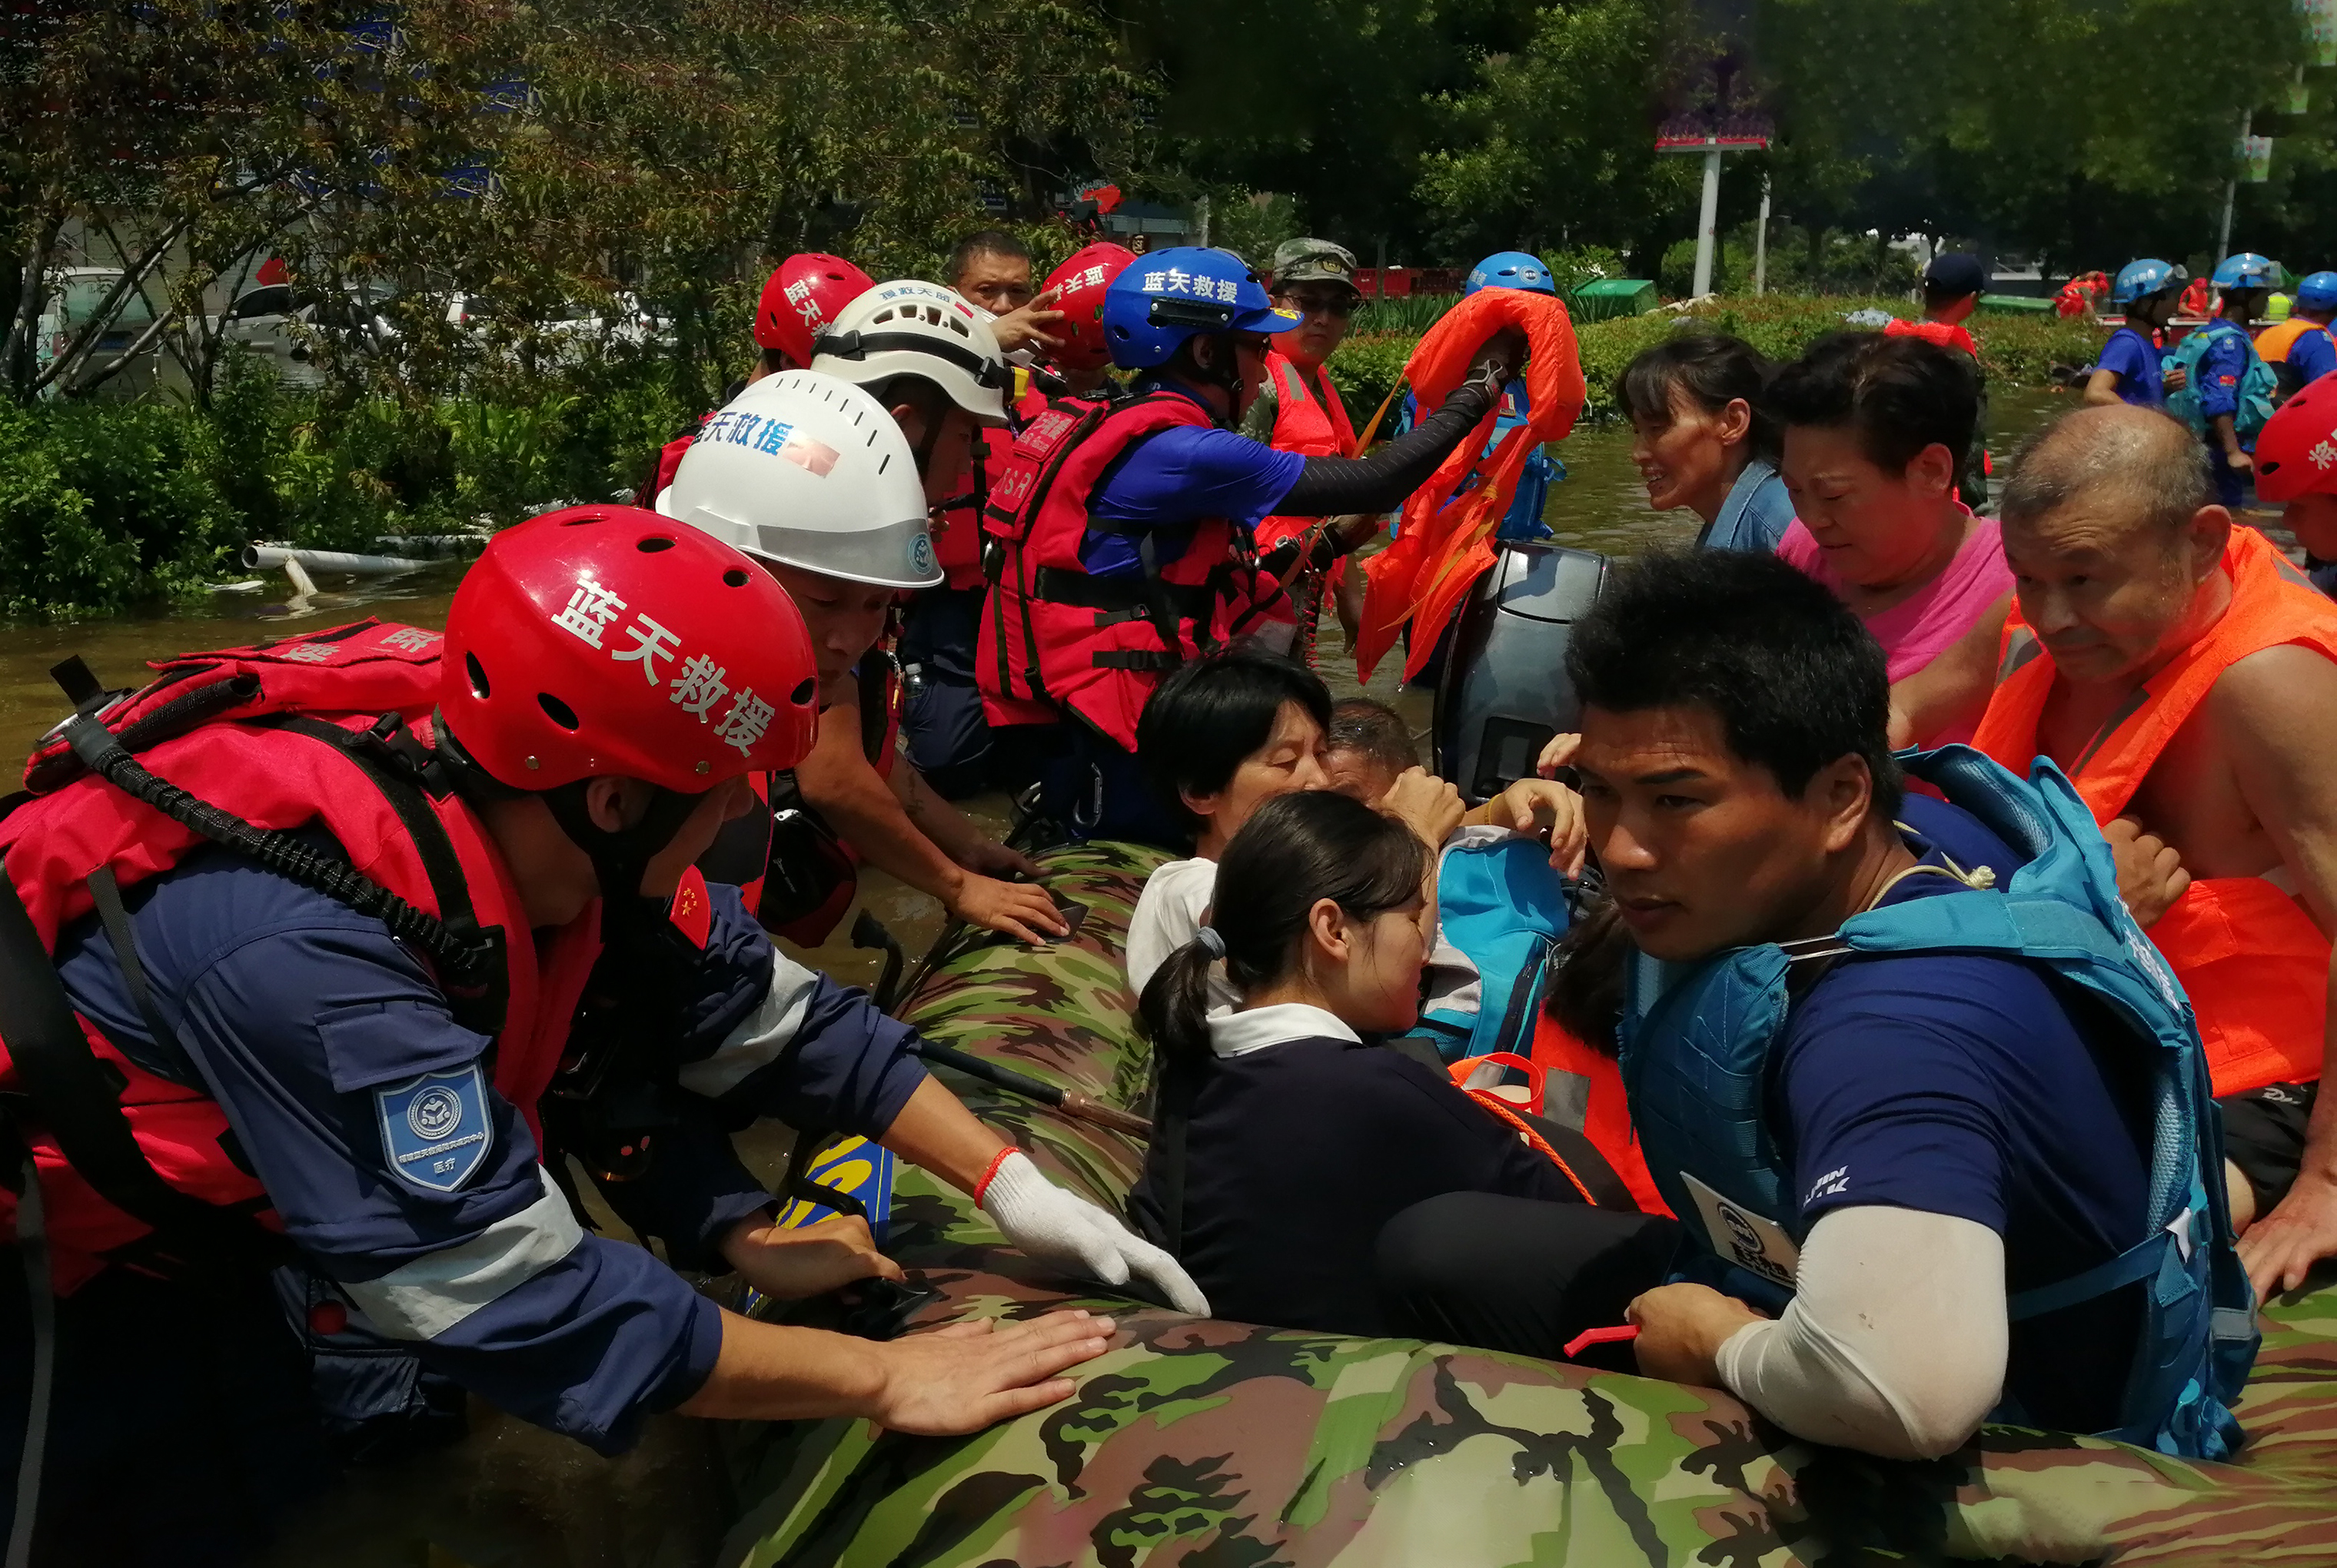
<point x="1218" y="1444"/>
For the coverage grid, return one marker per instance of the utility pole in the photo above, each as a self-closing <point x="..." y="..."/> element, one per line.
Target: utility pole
<point x="2232" y="191"/>
<point x="1761" y="243"/>
<point x="1707" y="219"/>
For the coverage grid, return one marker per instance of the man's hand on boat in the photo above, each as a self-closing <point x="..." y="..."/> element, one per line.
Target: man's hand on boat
<point x="2281" y="1249"/>
<point x="808" y="1261"/>
<point x="954" y="1381"/>
<point x="1681" y="1330"/>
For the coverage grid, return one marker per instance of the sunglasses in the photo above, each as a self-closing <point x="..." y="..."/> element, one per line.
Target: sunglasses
<point x="1341" y="305"/>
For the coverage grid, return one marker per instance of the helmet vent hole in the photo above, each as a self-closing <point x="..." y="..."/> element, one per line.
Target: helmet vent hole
<point x="478" y="676"/>
<point x="736" y="577"/>
<point x="801" y="695"/>
<point x="557" y="711"/>
<point x="654" y="543"/>
<point x="959" y="327"/>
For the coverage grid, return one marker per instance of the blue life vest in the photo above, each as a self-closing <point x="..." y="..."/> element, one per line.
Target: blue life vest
<point x="2259" y="383"/>
<point x="1697" y="1040"/>
<point x="1505" y="908"/>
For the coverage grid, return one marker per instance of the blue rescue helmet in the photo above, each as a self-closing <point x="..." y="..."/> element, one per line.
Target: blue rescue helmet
<point x="1510" y="270"/>
<point x="2141" y="280"/>
<point x="2318" y="291"/>
<point x="1164" y="296"/>
<point x="2247" y="271"/>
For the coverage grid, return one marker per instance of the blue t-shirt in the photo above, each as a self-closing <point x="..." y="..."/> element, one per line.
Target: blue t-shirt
<point x="1173" y="479"/>
<point x="1962" y="1084"/>
<point x="2313" y="355"/>
<point x="2134" y="359"/>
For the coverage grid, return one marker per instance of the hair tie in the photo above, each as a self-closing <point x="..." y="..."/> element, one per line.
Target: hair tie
<point x="1211" y="944"/>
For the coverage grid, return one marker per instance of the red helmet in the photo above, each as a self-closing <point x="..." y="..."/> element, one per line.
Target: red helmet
<point x="1084" y="277"/>
<point x="2296" y="451"/>
<point x="802" y="296"/>
<point x="607" y="640"/>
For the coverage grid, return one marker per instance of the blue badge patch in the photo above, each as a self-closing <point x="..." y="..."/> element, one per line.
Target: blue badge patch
<point x="436" y="1128"/>
<point x="921" y="555"/>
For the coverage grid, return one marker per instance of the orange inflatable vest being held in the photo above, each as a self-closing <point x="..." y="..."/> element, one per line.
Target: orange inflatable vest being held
<point x="331" y="730"/>
<point x="1445" y="542"/>
<point x="2255" y="965"/>
<point x="1053" y="635"/>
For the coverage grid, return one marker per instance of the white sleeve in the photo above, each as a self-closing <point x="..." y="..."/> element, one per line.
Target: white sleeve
<point x="1895" y="1342"/>
<point x="1167" y="915"/>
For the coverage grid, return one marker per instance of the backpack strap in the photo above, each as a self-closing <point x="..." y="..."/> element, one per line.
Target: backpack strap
<point x="72" y="1094"/>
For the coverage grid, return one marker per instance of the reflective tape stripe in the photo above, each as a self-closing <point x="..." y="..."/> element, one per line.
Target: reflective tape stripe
<point x="759" y="1039"/>
<point x="424" y="1298"/>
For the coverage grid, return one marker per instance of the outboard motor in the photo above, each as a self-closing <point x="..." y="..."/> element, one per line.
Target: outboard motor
<point x="1504" y="691"/>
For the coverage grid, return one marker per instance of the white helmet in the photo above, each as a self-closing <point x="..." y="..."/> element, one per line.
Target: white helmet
<point x="910" y="328"/>
<point x="809" y="470"/>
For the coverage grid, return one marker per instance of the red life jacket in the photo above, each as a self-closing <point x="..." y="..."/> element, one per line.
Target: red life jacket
<point x="1056" y="639"/>
<point x="1947" y="335"/>
<point x="668" y="460"/>
<point x="810" y="860"/>
<point x="258" y="731"/>
<point x="957" y="524"/>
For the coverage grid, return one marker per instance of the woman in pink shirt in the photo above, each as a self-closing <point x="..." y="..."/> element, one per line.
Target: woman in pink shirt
<point x="1874" y="427"/>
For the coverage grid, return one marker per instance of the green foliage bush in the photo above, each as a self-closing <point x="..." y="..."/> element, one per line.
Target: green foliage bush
<point x="2014" y="350"/>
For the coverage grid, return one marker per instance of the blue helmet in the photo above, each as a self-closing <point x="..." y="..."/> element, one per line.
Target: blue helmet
<point x="1510" y="270"/>
<point x="2141" y="280"/>
<point x="2248" y="271"/>
<point x="2318" y="291"/>
<point x="1164" y="296"/>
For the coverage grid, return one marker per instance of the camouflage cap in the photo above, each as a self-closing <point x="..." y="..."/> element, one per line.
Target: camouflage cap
<point x="1312" y="261"/>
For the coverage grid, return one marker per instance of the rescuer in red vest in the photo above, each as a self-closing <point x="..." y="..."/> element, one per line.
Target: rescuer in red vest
<point x="290" y="942"/>
<point x="1120" y="526"/>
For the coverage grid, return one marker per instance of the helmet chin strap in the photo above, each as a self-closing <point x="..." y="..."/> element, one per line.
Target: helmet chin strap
<point x="1225" y="374"/>
<point x="619" y="857"/>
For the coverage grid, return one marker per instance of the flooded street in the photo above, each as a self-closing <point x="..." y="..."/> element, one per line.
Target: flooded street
<point x="509" y="1493"/>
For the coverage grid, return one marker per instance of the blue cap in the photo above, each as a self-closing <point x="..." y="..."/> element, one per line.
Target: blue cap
<point x="1956" y="272"/>
<point x="1164" y="296"/>
<point x="2318" y="291"/>
<point x="2248" y="271"/>
<point x="1510" y="270"/>
<point x="2141" y="280"/>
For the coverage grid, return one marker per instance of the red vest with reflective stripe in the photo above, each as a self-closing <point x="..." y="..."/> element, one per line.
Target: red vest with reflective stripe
<point x="957" y="528"/>
<point x="281" y="779"/>
<point x="1606" y="1117"/>
<point x="1036" y="651"/>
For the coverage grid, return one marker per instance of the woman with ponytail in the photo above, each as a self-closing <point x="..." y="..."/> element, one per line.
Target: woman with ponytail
<point x="1286" y="1137"/>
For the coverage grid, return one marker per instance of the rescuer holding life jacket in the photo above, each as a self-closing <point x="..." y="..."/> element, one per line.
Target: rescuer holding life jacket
<point x="802" y="296"/>
<point x="1123" y="523"/>
<point x="810" y="476"/>
<point x="290" y="999"/>
<point x="1918" y="1193"/>
<point x="2181" y="672"/>
<point x="1298" y="410"/>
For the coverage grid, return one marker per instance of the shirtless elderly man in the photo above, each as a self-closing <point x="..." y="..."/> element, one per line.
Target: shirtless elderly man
<point x="2185" y="675"/>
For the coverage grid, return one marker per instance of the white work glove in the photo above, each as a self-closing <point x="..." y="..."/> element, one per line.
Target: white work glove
<point x="1051" y="1225"/>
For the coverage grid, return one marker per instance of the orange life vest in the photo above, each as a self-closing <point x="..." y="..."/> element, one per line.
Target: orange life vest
<point x="1947" y="335"/>
<point x="2274" y="342"/>
<point x="1307" y="420"/>
<point x="244" y="756"/>
<point x="1577" y="1074"/>
<point x="2255" y="963"/>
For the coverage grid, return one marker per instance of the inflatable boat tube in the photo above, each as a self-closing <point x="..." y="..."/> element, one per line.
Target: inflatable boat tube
<point x="1202" y="1442"/>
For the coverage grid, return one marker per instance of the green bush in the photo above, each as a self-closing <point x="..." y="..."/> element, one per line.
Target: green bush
<point x="2014" y="350"/>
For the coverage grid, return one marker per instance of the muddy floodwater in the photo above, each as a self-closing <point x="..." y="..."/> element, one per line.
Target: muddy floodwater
<point x="510" y="1495"/>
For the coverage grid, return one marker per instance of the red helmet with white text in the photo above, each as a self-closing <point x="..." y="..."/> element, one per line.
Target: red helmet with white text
<point x="803" y="295"/>
<point x="2296" y="451"/>
<point x="609" y="640"/>
<point x="1084" y="278"/>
